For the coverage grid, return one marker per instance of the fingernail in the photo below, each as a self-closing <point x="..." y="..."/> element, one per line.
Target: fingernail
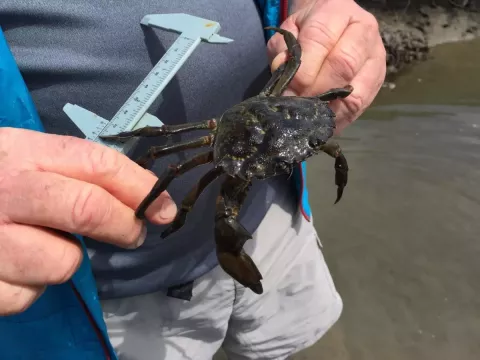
<point x="141" y="238"/>
<point x="289" y="92"/>
<point x="168" y="209"/>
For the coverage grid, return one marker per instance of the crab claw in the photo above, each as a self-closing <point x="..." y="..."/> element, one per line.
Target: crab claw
<point x="230" y="236"/>
<point x="242" y="268"/>
<point x="341" y="175"/>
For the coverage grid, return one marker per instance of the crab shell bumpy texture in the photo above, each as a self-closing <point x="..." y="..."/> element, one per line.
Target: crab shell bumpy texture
<point x="266" y="136"/>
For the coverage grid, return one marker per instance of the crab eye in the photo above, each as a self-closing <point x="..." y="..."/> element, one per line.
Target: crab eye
<point x="314" y="142"/>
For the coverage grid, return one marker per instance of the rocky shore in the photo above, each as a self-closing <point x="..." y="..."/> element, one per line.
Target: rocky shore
<point x="410" y="28"/>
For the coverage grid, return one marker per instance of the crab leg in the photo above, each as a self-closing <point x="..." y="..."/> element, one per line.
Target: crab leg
<point x="267" y="90"/>
<point x="341" y="167"/>
<point x="158" y="151"/>
<point x="230" y="235"/>
<point x="190" y="200"/>
<point x="165" y="130"/>
<point x="171" y="173"/>
<point x="336" y="93"/>
<point x="284" y="74"/>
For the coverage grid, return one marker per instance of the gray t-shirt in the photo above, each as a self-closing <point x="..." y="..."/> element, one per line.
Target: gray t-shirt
<point x="95" y="53"/>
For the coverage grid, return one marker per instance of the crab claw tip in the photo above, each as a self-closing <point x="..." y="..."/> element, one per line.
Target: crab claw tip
<point x="339" y="194"/>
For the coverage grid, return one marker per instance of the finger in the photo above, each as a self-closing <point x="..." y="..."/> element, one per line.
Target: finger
<point x="55" y="201"/>
<point x="345" y="60"/>
<point x="366" y="86"/>
<point x="15" y="299"/>
<point x="90" y="162"/>
<point x="31" y="255"/>
<point x="319" y="32"/>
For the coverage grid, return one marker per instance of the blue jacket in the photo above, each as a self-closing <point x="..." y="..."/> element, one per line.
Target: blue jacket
<point x="66" y="322"/>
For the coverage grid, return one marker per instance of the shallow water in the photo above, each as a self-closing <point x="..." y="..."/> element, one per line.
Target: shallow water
<point x="404" y="243"/>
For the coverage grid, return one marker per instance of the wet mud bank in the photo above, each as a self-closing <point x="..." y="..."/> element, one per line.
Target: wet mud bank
<point x="410" y="28"/>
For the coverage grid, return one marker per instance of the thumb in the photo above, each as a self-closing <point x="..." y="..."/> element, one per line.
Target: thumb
<point x="276" y="46"/>
<point x="277" y="51"/>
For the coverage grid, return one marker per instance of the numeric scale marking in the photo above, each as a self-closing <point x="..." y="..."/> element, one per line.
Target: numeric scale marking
<point x="149" y="89"/>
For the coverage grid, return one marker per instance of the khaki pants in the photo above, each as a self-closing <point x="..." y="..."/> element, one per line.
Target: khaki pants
<point x="299" y="304"/>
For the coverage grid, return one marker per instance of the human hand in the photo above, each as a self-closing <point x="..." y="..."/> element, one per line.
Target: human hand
<point x="51" y="184"/>
<point x="341" y="45"/>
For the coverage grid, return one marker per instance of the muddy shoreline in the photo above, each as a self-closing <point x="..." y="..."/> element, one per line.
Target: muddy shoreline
<point x="410" y="28"/>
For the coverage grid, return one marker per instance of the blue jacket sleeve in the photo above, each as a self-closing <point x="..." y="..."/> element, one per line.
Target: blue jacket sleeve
<point x="16" y="105"/>
<point x="270" y="13"/>
<point x="55" y="326"/>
